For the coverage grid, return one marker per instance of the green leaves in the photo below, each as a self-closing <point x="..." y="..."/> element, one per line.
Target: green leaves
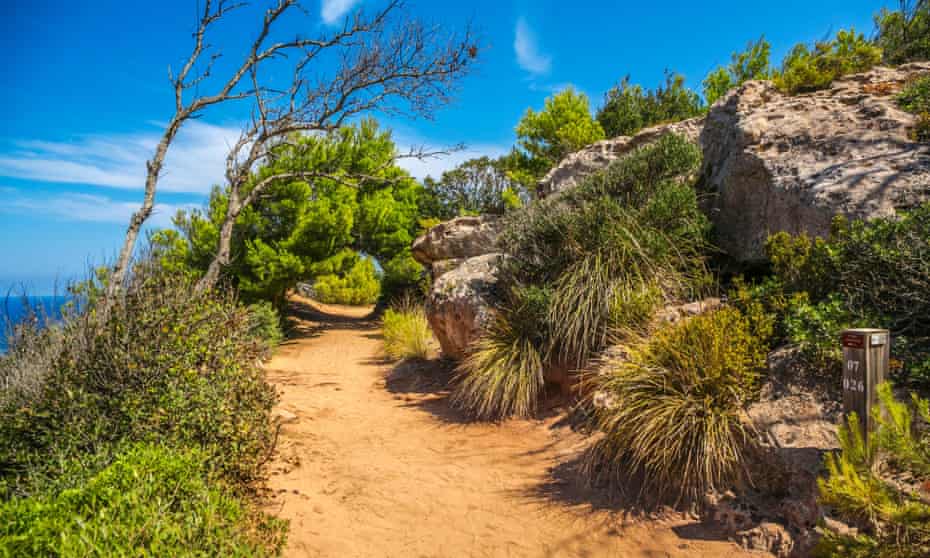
<point x="628" y="108"/>
<point x="752" y="63"/>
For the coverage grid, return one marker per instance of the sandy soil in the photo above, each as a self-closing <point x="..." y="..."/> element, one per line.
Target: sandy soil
<point x="376" y="464"/>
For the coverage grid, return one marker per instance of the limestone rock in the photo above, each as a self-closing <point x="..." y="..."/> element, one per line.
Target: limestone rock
<point x="576" y="166"/>
<point x="791" y="163"/>
<point x="460" y="303"/>
<point x="457" y="239"/>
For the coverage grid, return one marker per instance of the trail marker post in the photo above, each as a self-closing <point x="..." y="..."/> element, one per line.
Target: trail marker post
<point x="865" y="365"/>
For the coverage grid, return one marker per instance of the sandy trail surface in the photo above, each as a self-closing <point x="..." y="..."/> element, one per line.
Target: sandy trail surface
<point x="376" y="464"/>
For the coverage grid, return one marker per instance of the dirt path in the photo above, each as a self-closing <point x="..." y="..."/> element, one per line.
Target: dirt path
<point x="376" y="464"/>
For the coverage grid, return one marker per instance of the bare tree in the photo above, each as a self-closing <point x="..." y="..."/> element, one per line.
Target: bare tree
<point x="381" y="62"/>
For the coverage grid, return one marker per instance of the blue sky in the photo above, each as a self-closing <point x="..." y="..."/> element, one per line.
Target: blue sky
<point x="85" y="93"/>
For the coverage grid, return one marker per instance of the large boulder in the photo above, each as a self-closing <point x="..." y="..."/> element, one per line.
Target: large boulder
<point x="576" y="166"/>
<point x="460" y="303"/>
<point x="791" y="163"/>
<point x="458" y="239"/>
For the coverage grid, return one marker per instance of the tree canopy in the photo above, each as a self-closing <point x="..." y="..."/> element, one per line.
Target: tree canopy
<point x="628" y="108"/>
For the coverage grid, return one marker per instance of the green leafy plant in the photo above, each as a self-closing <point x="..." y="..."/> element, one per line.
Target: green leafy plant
<point x="406" y="331"/>
<point x="149" y="501"/>
<point x="752" y="63"/>
<point x="164" y="363"/>
<point x="628" y="108"/>
<point x="807" y="69"/>
<point x="915" y="98"/>
<point x="357" y="285"/>
<point x="904" y="34"/>
<point x="674" y="410"/>
<point x="266" y="325"/>
<point x="894" y="518"/>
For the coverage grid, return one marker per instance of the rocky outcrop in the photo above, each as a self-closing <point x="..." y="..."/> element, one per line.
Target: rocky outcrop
<point x="460" y="302"/>
<point x="791" y="163"/>
<point x="457" y="239"/>
<point x="576" y="166"/>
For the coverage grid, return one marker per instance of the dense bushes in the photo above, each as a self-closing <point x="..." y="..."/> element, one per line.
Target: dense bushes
<point x="752" y="63"/>
<point x="915" y="98"/>
<point x="359" y="284"/>
<point x="894" y="519"/>
<point x="406" y="331"/>
<point x="586" y="267"/>
<point x="161" y="364"/>
<point x="149" y="497"/>
<point x="674" y="406"/>
<point x="628" y="108"/>
<point x="904" y="35"/>
<point x="866" y="273"/>
<point x="809" y="69"/>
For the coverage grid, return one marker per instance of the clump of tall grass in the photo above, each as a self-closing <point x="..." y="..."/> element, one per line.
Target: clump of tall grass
<point x="406" y="331"/>
<point x="502" y="376"/>
<point x="675" y="407"/>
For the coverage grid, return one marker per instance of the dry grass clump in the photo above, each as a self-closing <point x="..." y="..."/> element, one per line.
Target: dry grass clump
<point x="406" y="331"/>
<point x="675" y="407"/>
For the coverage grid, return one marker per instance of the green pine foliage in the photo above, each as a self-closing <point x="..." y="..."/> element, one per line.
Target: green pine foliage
<point x="807" y="69"/>
<point x="915" y="98"/>
<point x="628" y="108"/>
<point x="480" y="186"/>
<point x="904" y="34"/>
<point x="674" y="411"/>
<point x="357" y="283"/>
<point x="894" y="518"/>
<point x="752" y="63"/>
<point x="563" y="125"/>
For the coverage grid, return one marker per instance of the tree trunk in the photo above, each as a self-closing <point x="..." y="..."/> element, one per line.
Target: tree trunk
<point x="224" y="245"/>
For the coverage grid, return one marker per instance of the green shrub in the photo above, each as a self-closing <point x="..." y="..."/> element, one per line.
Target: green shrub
<point x="675" y="402"/>
<point x="165" y="364"/>
<point x="915" y="98"/>
<point x="752" y="63"/>
<point x="628" y="108"/>
<point x="904" y="35"/>
<point x="359" y="285"/>
<point x="265" y="325"/>
<point x="895" y="520"/>
<point x="406" y="331"/>
<point x="805" y="69"/>
<point x="502" y="376"/>
<point x="403" y="277"/>
<point x="149" y="501"/>
<point x="815" y="327"/>
<point x="625" y="239"/>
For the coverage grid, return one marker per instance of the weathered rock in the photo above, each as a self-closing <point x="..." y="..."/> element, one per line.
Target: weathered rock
<point x="459" y="238"/>
<point x="460" y="302"/>
<point x="576" y="166"/>
<point x="791" y="163"/>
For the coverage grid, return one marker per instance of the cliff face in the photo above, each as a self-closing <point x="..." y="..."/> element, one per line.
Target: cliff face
<point x="774" y="162"/>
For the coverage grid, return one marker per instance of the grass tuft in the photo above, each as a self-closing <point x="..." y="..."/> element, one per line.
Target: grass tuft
<point x="406" y="331"/>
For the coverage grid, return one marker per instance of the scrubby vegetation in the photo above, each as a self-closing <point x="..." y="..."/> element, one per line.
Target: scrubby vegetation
<point x="162" y="365"/>
<point x="807" y="69"/>
<point x="587" y="267"/>
<point x="904" y="34"/>
<point x="674" y="406"/>
<point x="894" y="518"/>
<point x="406" y="331"/>
<point x="915" y="98"/>
<point x="628" y="108"/>
<point x="865" y="272"/>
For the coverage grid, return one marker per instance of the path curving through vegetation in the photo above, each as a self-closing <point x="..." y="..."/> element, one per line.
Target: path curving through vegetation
<point x="377" y="464"/>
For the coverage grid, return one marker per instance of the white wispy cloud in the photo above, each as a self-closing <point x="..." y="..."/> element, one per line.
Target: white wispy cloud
<point x="194" y="163"/>
<point x="332" y="10"/>
<point x="75" y="206"/>
<point x="526" y="47"/>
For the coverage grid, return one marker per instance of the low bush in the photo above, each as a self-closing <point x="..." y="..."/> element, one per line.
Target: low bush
<point x="873" y="273"/>
<point x="265" y="325"/>
<point x="904" y="34"/>
<point x="807" y="69"/>
<point x="629" y="108"/>
<point x="502" y="376"/>
<point x="149" y="501"/>
<point x="406" y="331"/>
<point x="915" y="98"/>
<point x="675" y="406"/>
<point x="163" y="363"/>
<point x="358" y="285"/>
<point x="403" y="277"/>
<point x="893" y="518"/>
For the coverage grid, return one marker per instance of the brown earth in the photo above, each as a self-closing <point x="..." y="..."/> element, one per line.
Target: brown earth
<point x="376" y="464"/>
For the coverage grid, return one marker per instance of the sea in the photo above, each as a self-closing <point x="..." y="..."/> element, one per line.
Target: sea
<point x="14" y="309"/>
